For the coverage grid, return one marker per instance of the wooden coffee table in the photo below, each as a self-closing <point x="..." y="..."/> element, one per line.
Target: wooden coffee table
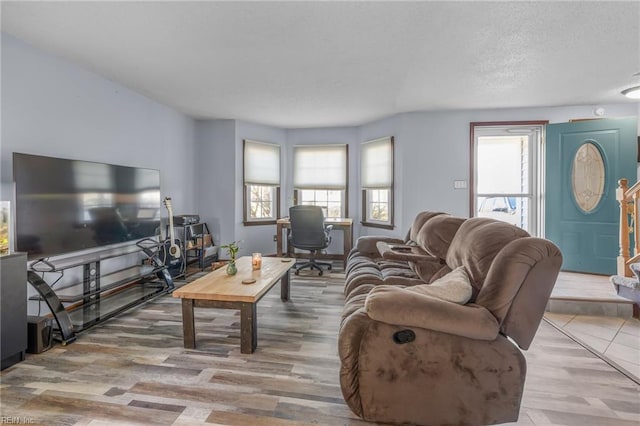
<point x="219" y="290"/>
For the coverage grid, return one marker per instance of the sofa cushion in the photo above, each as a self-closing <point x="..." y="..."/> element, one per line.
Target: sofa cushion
<point x="477" y="243"/>
<point x="453" y="287"/>
<point x="425" y="270"/>
<point x="398" y="273"/>
<point x="418" y="223"/>
<point x="436" y="235"/>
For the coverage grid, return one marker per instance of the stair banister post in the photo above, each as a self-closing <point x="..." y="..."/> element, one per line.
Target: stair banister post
<point x="623" y="256"/>
<point x="636" y="235"/>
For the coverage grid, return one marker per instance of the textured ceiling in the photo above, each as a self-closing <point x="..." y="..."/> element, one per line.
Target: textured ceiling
<point x="308" y="64"/>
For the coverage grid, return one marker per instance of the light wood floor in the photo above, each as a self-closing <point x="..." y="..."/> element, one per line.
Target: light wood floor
<point x="134" y="370"/>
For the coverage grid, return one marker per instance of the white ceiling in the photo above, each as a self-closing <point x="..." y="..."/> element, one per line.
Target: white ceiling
<point x="312" y="64"/>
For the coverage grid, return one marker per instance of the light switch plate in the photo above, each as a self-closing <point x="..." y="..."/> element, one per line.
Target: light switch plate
<point x="459" y="184"/>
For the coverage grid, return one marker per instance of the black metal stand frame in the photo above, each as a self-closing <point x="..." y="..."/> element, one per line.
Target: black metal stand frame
<point x="91" y="292"/>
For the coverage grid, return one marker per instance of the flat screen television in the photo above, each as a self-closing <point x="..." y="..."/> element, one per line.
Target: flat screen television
<point x="64" y="206"/>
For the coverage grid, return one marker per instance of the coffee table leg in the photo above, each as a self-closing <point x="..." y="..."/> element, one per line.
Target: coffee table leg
<point x="248" y="328"/>
<point x="188" y="324"/>
<point x="284" y="287"/>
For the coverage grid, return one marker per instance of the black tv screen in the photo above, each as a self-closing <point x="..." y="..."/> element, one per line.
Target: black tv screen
<point x="64" y="205"/>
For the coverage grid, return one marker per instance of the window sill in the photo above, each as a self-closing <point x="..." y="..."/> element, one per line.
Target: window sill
<point x="377" y="225"/>
<point x="258" y="223"/>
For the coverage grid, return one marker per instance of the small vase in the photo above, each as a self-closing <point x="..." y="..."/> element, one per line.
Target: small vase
<point x="231" y="268"/>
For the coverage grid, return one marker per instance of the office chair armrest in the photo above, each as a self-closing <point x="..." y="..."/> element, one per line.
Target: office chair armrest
<point x="327" y="231"/>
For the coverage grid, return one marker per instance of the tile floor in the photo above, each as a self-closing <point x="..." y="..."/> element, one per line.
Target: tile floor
<point x="598" y="318"/>
<point x="586" y="294"/>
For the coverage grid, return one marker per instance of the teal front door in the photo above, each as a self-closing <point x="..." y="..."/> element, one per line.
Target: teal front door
<point x="584" y="161"/>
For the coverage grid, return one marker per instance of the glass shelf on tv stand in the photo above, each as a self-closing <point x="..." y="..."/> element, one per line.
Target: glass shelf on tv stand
<point x="76" y="292"/>
<point x="112" y="303"/>
<point x="60" y="264"/>
<point x="98" y="296"/>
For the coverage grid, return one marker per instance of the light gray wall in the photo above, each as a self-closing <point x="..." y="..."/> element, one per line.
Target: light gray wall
<point x="215" y="177"/>
<point x="54" y="108"/>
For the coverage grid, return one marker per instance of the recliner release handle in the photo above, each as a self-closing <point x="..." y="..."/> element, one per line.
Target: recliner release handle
<point x="404" y="336"/>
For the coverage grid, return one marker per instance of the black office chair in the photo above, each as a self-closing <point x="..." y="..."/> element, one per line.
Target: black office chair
<point x="308" y="232"/>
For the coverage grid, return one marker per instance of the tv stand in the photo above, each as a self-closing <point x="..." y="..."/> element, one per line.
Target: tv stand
<point x="65" y="327"/>
<point x="78" y="305"/>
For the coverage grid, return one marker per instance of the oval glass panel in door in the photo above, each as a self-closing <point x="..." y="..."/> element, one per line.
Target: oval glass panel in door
<point x="587" y="177"/>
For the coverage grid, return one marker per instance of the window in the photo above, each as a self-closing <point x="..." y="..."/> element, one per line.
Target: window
<point x="378" y="205"/>
<point x="376" y="179"/>
<point x="261" y="183"/>
<point x="330" y="200"/>
<point x="505" y="173"/>
<point x="261" y="202"/>
<point x="320" y="177"/>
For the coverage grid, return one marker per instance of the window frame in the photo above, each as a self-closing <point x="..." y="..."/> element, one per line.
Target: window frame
<point x="246" y="202"/>
<point x="365" y="220"/>
<point x="246" y="206"/>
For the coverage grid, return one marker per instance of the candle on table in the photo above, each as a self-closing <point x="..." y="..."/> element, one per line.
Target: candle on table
<point x="256" y="261"/>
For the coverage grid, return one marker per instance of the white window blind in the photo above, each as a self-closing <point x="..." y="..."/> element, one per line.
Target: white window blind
<point x="377" y="163"/>
<point x="261" y="163"/>
<point x="320" y="167"/>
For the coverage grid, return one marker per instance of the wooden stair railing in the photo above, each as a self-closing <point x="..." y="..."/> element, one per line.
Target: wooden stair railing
<point x="629" y="208"/>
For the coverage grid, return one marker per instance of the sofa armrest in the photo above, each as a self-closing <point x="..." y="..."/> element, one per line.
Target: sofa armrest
<point x="403" y="253"/>
<point x="397" y="306"/>
<point x="367" y="243"/>
<point x="352" y="331"/>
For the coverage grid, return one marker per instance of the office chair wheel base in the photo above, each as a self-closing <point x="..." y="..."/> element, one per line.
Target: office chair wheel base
<point x="329" y="267"/>
<point x="320" y="273"/>
<point x="297" y="272"/>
